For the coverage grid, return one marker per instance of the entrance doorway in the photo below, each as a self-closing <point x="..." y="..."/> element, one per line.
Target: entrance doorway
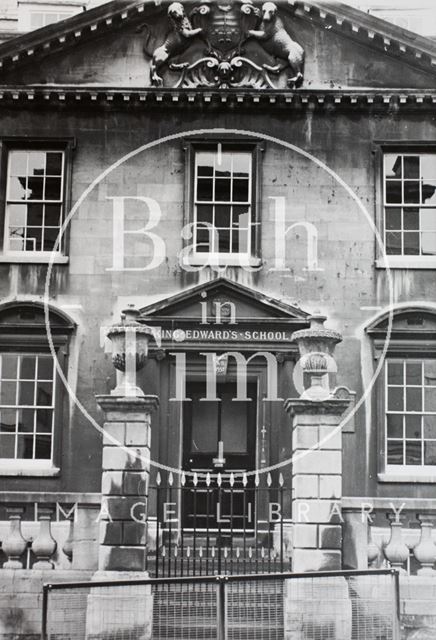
<point x="219" y="437"/>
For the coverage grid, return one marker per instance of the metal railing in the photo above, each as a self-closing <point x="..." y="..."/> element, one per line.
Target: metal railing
<point x="357" y="605"/>
<point x="220" y="525"/>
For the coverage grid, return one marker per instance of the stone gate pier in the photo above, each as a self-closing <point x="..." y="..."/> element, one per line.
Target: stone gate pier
<point x="124" y="489"/>
<point x="316" y="422"/>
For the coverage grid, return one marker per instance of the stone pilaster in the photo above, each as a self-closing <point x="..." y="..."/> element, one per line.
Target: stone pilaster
<point x="316" y="482"/>
<point x="125" y="478"/>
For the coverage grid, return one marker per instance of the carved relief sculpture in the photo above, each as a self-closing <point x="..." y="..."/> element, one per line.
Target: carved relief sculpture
<point x="177" y="40"/>
<point x="224" y="29"/>
<point x="276" y="41"/>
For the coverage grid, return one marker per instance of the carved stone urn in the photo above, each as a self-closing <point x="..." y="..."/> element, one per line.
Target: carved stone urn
<point x="316" y="346"/>
<point x="130" y="340"/>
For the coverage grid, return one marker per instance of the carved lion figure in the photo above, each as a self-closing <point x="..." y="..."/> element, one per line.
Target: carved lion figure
<point x="176" y="42"/>
<point x="276" y="41"/>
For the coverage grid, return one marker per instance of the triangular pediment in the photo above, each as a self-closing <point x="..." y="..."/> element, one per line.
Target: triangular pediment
<point x="249" y="305"/>
<point x="113" y="46"/>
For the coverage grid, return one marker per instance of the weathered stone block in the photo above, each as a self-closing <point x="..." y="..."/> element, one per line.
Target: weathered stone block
<point x="322" y="462"/>
<point x="122" y="558"/>
<point x="315" y="419"/>
<point x="137" y="434"/>
<point x="330" y="486"/>
<point x="122" y="508"/>
<point x="21" y="602"/>
<point x="305" y="437"/>
<point x="331" y="437"/>
<point x="316" y="560"/>
<point x="111" y="533"/>
<point x="306" y="486"/>
<point x="418" y="587"/>
<point x="115" y="458"/>
<point x="112" y="482"/>
<point x="330" y="537"/>
<point x="303" y="419"/>
<point x="315" y="511"/>
<point x="116" y="430"/>
<point x="305" y="536"/>
<point x="135" y="483"/>
<point x="134" y="533"/>
<point x="418" y="607"/>
<point x="85" y="543"/>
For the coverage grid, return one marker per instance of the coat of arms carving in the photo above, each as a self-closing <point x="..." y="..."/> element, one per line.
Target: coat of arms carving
<point x="224" y="30"/>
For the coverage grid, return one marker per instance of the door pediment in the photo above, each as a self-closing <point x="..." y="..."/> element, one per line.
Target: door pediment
<point x="224" y="315"/>
<point x="250" y="304"/>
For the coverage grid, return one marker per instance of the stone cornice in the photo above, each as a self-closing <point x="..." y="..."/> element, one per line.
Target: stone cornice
<point x="331" y="406"/>
<point x="126" y="404"/>
<point x="357" y="504"/>
<point x="106" y="97"/>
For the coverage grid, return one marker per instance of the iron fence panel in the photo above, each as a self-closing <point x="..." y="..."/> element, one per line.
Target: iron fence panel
<point x="342" y="605"/>
<point x="225" y="528"/>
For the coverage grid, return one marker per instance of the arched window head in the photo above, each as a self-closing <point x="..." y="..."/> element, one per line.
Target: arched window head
<point x="406" y="407"/>
<point x="30" y="389"/>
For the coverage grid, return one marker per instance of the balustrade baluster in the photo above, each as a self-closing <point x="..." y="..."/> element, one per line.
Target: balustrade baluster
<point x="425" y="550"/>
<point x="14" y="545"/>
<point x="44" y="545"/>
<point x="68" y="544"/>
<point x="396" y="551"/>
<point x="372" y="550"/>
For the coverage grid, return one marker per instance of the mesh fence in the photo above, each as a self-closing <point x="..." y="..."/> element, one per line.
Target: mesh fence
<point x="254" y="610"/>
<point x="342" y="607"/>
<point x="324" y="606"/>
<point x="185" y="612"/>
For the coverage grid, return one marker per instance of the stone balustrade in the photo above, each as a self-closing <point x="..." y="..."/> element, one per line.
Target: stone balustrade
<point x="44" y="531"/>
<point x="60" y="531"/>
<point x="390" y="533"/>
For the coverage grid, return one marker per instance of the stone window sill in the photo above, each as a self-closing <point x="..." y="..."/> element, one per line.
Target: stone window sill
<point x="427" y="477"/>
<point x="17" y="468"/>
<point x="33" y="258"/>
<point x="406" y="262"/>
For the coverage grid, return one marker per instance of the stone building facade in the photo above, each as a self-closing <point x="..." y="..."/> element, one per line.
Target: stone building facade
<point x="239" y="174"/>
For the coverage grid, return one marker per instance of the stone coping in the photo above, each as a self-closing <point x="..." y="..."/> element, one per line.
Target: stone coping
<point x="331" y="406"/>
<point x="127" y="403"/>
